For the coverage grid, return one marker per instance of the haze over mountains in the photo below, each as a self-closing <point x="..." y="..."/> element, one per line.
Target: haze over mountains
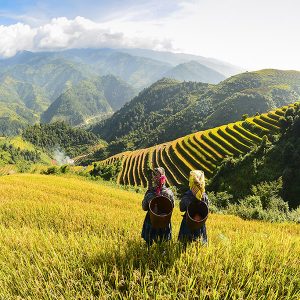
<point x="35" y="84"/>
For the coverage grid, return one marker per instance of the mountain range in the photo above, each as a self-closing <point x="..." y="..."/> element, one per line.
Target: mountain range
<point x="30" y="82"/>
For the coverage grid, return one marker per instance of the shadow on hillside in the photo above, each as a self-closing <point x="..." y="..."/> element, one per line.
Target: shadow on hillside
<point x="131" y="262"/>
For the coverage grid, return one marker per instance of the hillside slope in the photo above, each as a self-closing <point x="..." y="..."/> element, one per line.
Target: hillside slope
<point x="17" y="154"/>
<point x="30" y="82"/>
<point x="170" y="109"/>
<point x="278" y="159"/>
<point x="60" y="136"/>
<point x="205" y="150"/>
<point x="90" y="98"/>
<point x="150" y="109"/>
<point x="174" y="59"/>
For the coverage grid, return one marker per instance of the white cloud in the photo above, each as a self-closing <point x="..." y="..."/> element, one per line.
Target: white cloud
<point x="14" y="38"/>
<point x="63" y="33"/>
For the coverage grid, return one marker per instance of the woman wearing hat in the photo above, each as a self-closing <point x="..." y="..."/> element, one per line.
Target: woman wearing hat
<point x="195" y="193"/>
<point x="149" y="234"/>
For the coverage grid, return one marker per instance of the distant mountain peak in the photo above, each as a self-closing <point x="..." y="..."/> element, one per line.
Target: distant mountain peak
<point x="194" y="71"/>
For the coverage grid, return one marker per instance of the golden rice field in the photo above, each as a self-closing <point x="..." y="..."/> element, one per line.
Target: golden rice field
<point x="70" y="238"/>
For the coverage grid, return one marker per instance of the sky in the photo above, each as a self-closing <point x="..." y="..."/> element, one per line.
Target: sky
<point x="252" y="34"/>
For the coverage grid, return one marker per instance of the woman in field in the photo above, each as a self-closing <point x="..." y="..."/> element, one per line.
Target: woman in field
<point x="195" y="193"/>
<point x="149" y="234"/>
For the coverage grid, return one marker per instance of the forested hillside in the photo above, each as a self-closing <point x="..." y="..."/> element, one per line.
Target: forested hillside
<point x="29" y="83"/>
<point x="131" y="125"/>
<point x="91" y="98"/>
<point x="170" y="109"/>
<point x="59" y="135"/>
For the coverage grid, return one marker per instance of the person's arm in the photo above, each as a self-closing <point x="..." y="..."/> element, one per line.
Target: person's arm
<point x="184" y="202"/>
<point x="147" y="198"/>
<point x="205" y="199"/>
<point x="171" y="196"/>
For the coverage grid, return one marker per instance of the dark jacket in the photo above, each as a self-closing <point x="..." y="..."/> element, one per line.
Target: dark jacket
<point x="151" y="193"/>
<point x="149" y="234"/>
<point x="185" y="233"/>
<point x="188" y="197"/>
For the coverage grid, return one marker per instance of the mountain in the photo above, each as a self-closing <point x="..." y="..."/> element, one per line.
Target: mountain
<point x="142" y="67"/>
<point x="169" y="109"/>
<point x="138" y="67"/>
<point x="193" y="71"/>
<point x="149" y="109"/>
<point x="178" y="58"/>
<point x="31" y="82"/>
<point x="251" y="93"/>
<point x="90" y="98"/>
<point x="52" y="69"/>
<point x="46" y="71"/>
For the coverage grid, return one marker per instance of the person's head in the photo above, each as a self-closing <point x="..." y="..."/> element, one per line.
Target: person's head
<point x="158" y="176"/>
<point x="197" y="183"/>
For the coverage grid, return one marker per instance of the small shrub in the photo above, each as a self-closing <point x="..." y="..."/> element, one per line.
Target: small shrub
<point x="51" y="171"/>
<point x="219" y="200"/>
<point x="294" y="215"/>
<point x="65" y="169"/>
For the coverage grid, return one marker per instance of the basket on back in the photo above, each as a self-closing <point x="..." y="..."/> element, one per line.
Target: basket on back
<point x="160" y="209"/>
<point x="196" y="214"/>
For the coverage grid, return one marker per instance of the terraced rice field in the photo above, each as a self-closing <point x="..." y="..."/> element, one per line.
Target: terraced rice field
<point x="203" y="150"/>
<point x="7" y="169"/>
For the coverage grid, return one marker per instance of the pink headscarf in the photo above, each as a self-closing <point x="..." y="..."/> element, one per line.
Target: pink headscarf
<point x="159" y="179"/>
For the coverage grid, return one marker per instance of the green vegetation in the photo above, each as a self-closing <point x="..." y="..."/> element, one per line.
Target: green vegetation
<point x="107" y="172"/>
<point x="129" y="127"/>
<point x="19" y="155"/>
<point x="169" y="109"/>
<point x="91" y="98"/>
<point x="59" y="135"/>
<point x="31" y="82"/>
<point x="276" y="158"/>
<point x="69" y="238"/>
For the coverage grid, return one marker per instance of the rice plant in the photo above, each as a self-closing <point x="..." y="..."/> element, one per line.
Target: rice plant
<point x="70" y="238"/>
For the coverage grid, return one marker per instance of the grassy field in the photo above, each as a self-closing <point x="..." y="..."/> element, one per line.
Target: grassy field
<point x="70" y="238"/>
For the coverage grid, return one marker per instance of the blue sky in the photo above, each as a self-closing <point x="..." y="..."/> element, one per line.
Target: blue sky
<point x="253" y="34"/>
<point x="42" y="11"/>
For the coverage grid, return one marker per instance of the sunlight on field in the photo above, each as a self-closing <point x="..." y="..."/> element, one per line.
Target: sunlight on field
<point x="70" y="238"/>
